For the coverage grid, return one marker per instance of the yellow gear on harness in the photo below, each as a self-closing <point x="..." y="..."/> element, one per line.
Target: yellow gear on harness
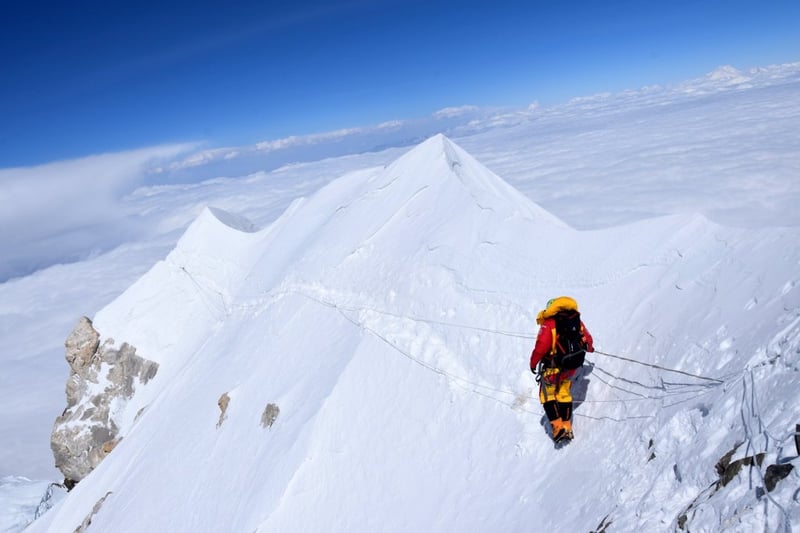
<point x="554" y="387"/>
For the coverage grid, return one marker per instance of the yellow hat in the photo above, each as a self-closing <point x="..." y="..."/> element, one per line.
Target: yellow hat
<point x="554" y="305"/>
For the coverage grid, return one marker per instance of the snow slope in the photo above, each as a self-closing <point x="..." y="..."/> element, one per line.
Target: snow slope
<point x="385" y="325"/>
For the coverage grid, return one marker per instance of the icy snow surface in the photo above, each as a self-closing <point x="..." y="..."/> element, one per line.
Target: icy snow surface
<point x="23" y="500"/>
<point x="389" y="316"/>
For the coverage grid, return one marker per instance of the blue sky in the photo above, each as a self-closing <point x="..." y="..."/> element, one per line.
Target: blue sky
<point x="90" y="77"/>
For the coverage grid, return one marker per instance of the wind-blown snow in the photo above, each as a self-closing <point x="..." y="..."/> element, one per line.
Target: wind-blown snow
<point x="389" y="317"/>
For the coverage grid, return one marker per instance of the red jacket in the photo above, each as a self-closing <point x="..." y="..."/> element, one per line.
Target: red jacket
<point x="545" y="341"/>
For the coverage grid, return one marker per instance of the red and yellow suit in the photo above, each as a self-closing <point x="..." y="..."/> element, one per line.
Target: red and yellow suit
<point x="555" y="387"/>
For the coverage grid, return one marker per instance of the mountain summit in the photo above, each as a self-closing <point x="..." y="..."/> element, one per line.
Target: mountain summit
<point x="434" y="208"/>
<point x="361" y="364"/>
<point x="297" y="330"/>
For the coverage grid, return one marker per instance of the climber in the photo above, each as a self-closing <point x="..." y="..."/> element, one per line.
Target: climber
<point x="560" y="350"/>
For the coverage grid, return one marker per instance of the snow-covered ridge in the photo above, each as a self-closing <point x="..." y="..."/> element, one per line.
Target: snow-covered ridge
<point x="218" y="252"/>
<point x="231" y="220"/>
<point x="215" y="251"/>
<point x="365" y="356"/>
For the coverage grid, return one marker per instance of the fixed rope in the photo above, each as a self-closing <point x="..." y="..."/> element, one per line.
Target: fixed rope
<point x="343" y="311"/>
<point x="355" y="309"/>
<point x="659" y="367"/>
<point x="513" y="335"/>
<point x="469" y="385"/>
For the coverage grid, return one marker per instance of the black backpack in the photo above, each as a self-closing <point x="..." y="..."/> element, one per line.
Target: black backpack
<point x="570" y="345"/>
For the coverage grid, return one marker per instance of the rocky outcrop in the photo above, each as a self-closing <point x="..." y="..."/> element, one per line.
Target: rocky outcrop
<point x="101" y="376"/>
<point x="96" y="509"/>
<point x="223" y="402"/>
<point x="269" y="415"/>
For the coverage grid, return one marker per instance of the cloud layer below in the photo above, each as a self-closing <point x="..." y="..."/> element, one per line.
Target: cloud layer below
<point x="63" y="211"/>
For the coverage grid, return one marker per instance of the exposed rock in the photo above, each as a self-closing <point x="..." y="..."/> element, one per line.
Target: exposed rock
<point x="270" y="415"/>
<point x="776" y="473"/>
<point x="223" y="402"/>
<point x="82" y="344"/>
<point x="110" y="445"/>
<point x="728" y="470"/>
<point x="96" y="509"/>
<point x="81" y="347"/>
<point x="100" y="376"/>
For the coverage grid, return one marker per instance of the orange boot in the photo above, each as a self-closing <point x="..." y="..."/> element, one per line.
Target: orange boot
<point x="568" y="430"/>
<point x="559" y="430"/>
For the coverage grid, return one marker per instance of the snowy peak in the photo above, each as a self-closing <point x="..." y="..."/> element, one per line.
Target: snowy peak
<point x="435" y="148"/>
<point x="258" y="323"/>
<point x="192" y="285"/>
<point x="433" y="201"/>
<point x="439" y="162"/>
<point x="434" y="211"/>
<point x="219" y="237"/>
<point x="435" y="197"/>
<point x="437" y="156"/>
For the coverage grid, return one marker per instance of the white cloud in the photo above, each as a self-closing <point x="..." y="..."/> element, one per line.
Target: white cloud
<point x="727" y="73"/>
<point x="64" y="210"/>
<point x="307" y="140"/>
<point x="392" y="125"/>
<point x="284" y="144"/>
<point x="201" y="158"/>
<point x="451" y="112"/>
